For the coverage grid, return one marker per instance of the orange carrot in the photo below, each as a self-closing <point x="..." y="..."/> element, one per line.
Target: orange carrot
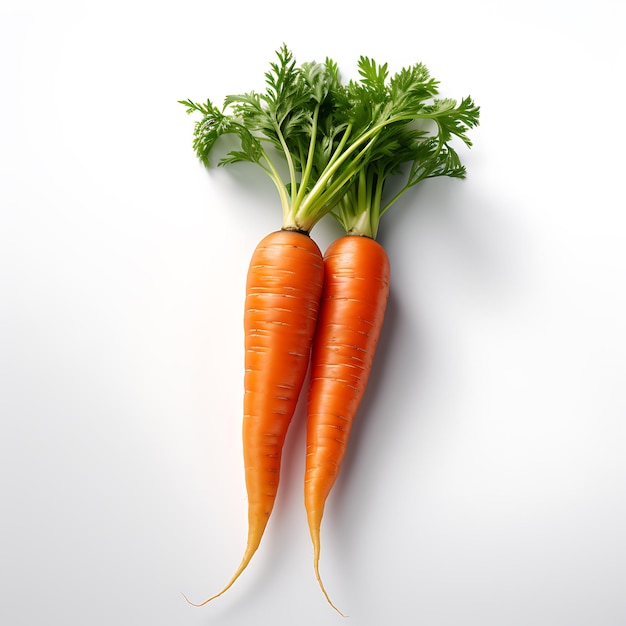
<point x="356" y="288"/>
<point x="338" y="144"/>
<point x="283" y="291"/>
<point x="356" y="271"/>
<point x="286" y="272"/>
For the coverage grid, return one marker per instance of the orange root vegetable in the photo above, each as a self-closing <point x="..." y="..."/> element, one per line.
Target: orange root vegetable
<point x="283" y="291"/>
<point x="337" y="145"/>
<point x="356" y="289"/>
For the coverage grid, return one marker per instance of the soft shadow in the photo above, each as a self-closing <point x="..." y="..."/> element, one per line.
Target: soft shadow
<point x="485" y="249"/>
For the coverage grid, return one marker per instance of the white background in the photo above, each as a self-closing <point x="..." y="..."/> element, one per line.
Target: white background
<point x="485" y="482"/>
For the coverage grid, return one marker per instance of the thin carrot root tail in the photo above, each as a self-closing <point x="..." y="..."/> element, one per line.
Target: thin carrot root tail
<point x="247" y="557"/>
<point x="319" y="580"/>
<point x="315" y="537"/>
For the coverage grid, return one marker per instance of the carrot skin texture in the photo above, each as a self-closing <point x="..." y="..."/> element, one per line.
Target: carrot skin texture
<point x="354" y="299"/>
<point x="283" y="291"/>
<point x="283" y="294"/>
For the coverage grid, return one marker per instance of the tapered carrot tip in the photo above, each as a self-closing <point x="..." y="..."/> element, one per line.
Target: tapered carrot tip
<point x="319" y="580"/>
<point x="314" y="523"/>
<point x="247" y="557"/>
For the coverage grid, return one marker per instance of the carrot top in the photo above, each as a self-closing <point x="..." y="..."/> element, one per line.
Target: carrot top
<point x="290" y="122"/>
<point x="411" y="132"/>
<point x="339" y="142"/>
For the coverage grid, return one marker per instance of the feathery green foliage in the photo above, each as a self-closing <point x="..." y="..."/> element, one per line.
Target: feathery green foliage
<point x="340" y="142"/>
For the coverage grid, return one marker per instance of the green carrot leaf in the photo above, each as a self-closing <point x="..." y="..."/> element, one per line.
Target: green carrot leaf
<point x="339" y="142"/>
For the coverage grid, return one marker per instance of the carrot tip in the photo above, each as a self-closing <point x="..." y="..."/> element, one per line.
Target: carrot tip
<point x="321" y="584"/>
<point x="189" y="601"/>
<point x="199" y="604"/>
<point x="251" y="548"/>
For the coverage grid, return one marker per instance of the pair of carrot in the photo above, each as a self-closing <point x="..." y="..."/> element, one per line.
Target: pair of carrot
<point x="340" y="143"/>
<point x="297" y="306"/>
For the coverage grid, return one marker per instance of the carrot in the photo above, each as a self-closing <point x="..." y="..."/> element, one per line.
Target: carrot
<point x="283" y="291"/>
<point x="356" y="288"/>
<point x="285" y="275"/>
<point x="337" y="145"/>
<point x="356" y="267"/>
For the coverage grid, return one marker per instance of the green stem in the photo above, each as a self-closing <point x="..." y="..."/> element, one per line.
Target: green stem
<point x="340" y="147"/>
<point x="363" y="192"/>
<point x="322" y="193"/>
<point x="309" y="161"/>
<point x="376" y="202"/>
<point x="272" y="172"/>
<point x="334" y="164"/>
<point x="292" y="169"/>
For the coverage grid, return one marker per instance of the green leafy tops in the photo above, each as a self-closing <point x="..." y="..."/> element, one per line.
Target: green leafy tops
<point x="339" y="142"/>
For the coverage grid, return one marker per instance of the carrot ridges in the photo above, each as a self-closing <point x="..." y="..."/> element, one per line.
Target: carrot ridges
<point x="356" y="289"/>
<point x="283" y="291"/>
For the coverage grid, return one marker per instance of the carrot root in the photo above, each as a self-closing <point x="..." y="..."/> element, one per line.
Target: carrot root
<point x="283" y="291"/>
<point x="314" y="526"/>
<point x="247" y="557"/>
<point x="356" y="288"/>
